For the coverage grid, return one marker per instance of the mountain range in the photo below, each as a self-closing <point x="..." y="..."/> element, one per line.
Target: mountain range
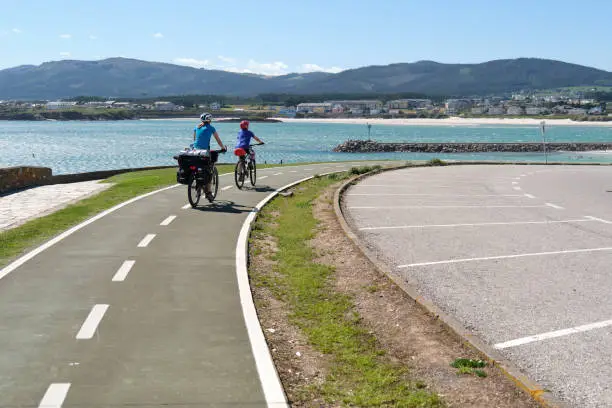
<point x="131" y="78"/>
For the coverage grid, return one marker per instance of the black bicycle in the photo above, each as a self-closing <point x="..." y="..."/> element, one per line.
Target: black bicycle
<point x="197" y="169"/>
<point x="246" y="166"/>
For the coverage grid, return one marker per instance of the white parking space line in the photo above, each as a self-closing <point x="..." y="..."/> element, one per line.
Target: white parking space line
<point x="186" y="206"/>
<point x="123" y="271"/>
<point x="277" y="174"/>
<point x="523" y="175"/>
<point x="227" y="187"/>
<point x="146" y="240"/>
<point x="433" y="195"/>
<point x="553" y="334"/>
<point x="308" y="169"/>
<point x="168" y="220"/>
<point x="517" y="188"/>
<point x="598" y="219"/>
<point x="529" y="196"/>
<point x="488" y="258"/>
<point x="91" y="323"/>
<point x="482" y="224"/>
<point x="557" y="207"/>
<point x="263" y="177"/>
<point x="293" y="171"/>
<point x="514" y="183"/>
<point x="444" y="206"/>
<point x="55" y="395"/>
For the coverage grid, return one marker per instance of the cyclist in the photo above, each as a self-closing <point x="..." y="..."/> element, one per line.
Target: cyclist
<point x="201" y="137"/>
<point x="244" y="137"/>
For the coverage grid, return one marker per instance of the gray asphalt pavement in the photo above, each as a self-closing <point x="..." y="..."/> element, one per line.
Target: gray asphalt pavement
<point x="169" y="331"/>
<point x="511" y="252"/>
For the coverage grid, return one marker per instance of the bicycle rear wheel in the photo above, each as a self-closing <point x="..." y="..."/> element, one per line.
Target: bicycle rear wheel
<point x="214" y="187"/>
<point x="253" y="172"/>
<point x="194" y="192"/>
<point x="239" y="174"/>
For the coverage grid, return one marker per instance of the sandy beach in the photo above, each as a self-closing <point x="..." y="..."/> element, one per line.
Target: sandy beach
<point x="453" y="121"/>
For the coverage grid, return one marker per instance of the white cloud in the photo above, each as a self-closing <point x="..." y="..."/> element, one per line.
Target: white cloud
<point x="318" y="68"/>
<point x="192" y="62"/>
<point x="65" y="54"/>
<point x="93" y="37"/>
<point x="65" y="36"/>
<point x="267" y="68"/>
<point x="16" y="31"/>
<point x="227" y="60"/>
<point x="158" y="35"/>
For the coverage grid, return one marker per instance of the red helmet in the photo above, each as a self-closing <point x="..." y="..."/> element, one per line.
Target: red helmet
<point x="244" y="124"/>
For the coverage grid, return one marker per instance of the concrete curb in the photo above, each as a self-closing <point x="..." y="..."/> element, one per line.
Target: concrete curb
<point x="535" y="390"/>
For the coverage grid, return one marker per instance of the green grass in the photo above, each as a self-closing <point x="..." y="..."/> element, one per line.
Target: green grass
<point x="469" y="366"/>
<point x="358" y="375"/>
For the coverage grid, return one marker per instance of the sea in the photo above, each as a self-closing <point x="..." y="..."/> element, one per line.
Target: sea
<point x="75" y="147"/>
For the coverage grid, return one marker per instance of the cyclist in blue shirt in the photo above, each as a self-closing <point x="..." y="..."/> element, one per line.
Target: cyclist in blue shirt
<point x="201" y="137"/>
<point x="203" y="132"/>
<point x="244" y="137"/>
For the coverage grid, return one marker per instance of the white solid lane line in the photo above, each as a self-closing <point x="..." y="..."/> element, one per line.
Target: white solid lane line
<point x="488" y="258"/>
<point x="433" y="195"/>
<point x="186" y="206"/>
<point x="598" y="219"/>
<point x="446" y="206"/>
<point x="168" y="220"/>
<point x="91" y="323"/>
<point x="263" y="177"/>
<point x="553" y="334"/>
<point x="554" y="206"/>
<point x="55" y="395"/>
<point x="227" y="187"/>
<point x="483" y="224"/>
<point x="146" y="240"/>
<point x="529" y="196"/>
<point x="123" y="271"/>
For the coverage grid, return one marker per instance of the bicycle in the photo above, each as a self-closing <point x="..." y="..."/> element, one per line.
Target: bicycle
<point x="197" y="169"/>
<point x="246" y="166"/>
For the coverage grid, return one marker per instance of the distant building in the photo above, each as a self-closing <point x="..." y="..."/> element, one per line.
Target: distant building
<point x="59" y="105"/>
<point x="359" y="107"/>
<point x="409" y="104"/>
<point x="288" y="112"/>
<point x="535" y="110"/>
<point x="478" y="110"/>
<point x="215" y="106"/>
<point x="515" y="111"/>
<point x="324" y="107"/>
<point x="577" y="111"/>
<point x="496" y="110"/>
<point x="455" y="106"/>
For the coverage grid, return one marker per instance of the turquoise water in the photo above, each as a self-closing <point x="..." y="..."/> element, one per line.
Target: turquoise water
<point x="71" y="147"/>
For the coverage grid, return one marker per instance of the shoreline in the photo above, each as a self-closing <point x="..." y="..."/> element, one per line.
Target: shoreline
<point x="453" y="121"/>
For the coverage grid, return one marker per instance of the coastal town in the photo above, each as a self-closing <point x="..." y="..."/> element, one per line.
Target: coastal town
<point x="524" y="104"/>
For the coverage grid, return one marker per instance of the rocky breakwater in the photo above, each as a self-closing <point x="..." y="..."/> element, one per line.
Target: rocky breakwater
<point x="370" y="146"/>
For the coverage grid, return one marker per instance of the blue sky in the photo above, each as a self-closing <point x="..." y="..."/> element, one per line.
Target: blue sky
<point x="275" y="37"/>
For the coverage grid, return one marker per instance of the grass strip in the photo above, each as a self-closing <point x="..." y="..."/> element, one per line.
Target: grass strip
<point x="359" y="374"/>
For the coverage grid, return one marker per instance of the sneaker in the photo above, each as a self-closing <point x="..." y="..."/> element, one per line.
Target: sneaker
<point x="209" y="196"/>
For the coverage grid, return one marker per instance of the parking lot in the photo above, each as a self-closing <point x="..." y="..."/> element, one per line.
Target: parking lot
<point x="520" y="255"/>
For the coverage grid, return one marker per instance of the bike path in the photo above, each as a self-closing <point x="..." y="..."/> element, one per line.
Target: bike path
<point x="171" y="333"/>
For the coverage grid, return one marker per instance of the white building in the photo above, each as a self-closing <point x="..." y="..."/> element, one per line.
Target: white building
<point x="59" y="105"/>
<point x="478" y="110"/>
<point x="535" y="110"/>
<point x="410" y="104"/>
<point x="164" y="106"/>
<point x="454" y="106"/>
<point x="358" y="107"/>
<point x="496" y="110"/>
<point x="515" y="111"/>
<point x="324" y="107"/>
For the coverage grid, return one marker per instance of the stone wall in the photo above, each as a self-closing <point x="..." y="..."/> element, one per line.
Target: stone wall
<point x="12" y="178"/>
<point x="365" y="146"/>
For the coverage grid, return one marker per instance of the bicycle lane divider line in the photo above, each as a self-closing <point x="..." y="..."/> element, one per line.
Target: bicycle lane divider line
<point x="168" y="220"/>
<point x="146" y="240"/>
<point x="123" y="271"/>
<point x="91" y="323"/>
<point x="553" y="334"/>
<point x="23" y="259"/>
<point x="54" y="396"/>
<point x="226" y="188"/>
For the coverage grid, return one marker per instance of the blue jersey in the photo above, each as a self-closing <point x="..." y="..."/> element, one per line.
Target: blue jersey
<point x="203" y="136"/>
<point x="244" y="139"/>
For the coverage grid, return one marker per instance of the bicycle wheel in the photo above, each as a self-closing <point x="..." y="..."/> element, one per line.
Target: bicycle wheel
<point x="214" y="187"/>
<point x="239" y="174"/>
<point x="194" y="192"/>
<point x="253" y="172"/>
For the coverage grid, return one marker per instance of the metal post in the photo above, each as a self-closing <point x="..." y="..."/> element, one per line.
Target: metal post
<point x="543" y="130"/>
<point x="369" y="128"/>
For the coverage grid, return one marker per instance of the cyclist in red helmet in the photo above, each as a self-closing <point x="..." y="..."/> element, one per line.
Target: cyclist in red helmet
<point x="244" y="137"/>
